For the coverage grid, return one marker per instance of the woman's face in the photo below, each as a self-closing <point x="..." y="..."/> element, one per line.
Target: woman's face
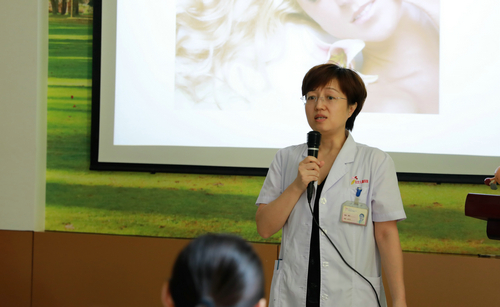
<point x="326" y="115"/>
<point x="368" y="20"/>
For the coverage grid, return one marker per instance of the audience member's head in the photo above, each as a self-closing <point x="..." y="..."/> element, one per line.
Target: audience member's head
<point x="216" y="270"/>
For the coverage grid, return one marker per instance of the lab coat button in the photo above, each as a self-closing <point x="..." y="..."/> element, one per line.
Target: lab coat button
<point x="324" y="297"/>
<point x="323" y="200"/>
<point x="325" y="264"/>
<point x="325" y="232"/>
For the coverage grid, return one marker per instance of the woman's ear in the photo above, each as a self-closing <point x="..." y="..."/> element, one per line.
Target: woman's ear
<point x="261" y="303"/>
<point x="166" y="297"/>
<point x="352" y="108"/>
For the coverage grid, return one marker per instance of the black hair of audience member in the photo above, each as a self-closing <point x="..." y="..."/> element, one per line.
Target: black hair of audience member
<point x="216" y="270"/>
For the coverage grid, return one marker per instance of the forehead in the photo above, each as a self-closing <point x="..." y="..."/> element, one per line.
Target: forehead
<point x="332" y="85"/>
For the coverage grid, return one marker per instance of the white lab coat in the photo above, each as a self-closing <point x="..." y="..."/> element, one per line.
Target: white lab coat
<point x="356" y="165"/>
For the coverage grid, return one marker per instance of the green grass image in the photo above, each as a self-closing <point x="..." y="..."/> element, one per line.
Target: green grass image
<point x="185" y="206"/>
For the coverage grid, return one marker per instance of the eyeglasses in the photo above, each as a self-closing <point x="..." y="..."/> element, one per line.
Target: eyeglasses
<point x="311" y="98"/>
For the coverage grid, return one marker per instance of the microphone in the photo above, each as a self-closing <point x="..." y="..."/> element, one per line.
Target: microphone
<point x="313" y="140"/>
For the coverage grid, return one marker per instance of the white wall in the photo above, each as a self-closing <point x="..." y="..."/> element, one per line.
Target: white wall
<point x="23" y="113"/>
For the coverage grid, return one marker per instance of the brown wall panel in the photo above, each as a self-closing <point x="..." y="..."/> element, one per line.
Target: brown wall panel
<point x="72" y="269"/>
<point x="268" y="254"/>
<point x="451" y="280"/>
<point x="15" y="268"/>
<point x="102" y="270"/>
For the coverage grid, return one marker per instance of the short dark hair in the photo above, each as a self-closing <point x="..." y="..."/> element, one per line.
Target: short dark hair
<point x="217" y="270"/>
<point x="349" y="81"/>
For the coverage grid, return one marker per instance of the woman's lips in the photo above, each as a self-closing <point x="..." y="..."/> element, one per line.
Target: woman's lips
<point x="363" y="13"/>
<point x="320" y="118"/>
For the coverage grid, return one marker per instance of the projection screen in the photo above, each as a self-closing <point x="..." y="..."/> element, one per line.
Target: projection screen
<point x="208" y="87"/>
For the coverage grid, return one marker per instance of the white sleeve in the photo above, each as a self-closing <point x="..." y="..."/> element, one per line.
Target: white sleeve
<point x="273" y="183"/>
<point x="386" y="198"/>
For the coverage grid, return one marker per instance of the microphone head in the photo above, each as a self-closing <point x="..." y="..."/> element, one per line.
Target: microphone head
<point x="313" y="139"/>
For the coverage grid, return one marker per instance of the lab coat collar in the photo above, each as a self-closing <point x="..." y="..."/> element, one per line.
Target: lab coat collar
<point x="346" y="153"/>
<point x="339" y="167"/>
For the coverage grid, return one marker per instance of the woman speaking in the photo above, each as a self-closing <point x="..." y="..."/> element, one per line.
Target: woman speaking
<point x="332" y="249"/>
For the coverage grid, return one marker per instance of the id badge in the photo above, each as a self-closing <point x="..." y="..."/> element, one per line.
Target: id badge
<point x="354" y="212"/>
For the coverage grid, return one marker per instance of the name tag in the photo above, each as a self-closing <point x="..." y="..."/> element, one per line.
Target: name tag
<point x="353" y="213"/>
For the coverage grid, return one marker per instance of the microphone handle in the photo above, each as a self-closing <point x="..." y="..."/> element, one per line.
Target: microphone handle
<point x="310" y="187"/>
<point x="310" y="190"/>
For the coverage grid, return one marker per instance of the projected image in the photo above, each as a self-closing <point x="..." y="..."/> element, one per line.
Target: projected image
<point x="188" y="80"/>
<point x="252" y="54"/>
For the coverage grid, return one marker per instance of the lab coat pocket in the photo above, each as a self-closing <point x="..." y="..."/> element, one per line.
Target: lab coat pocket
<point x="274" y="297"/>
<point x="364" y="295"/>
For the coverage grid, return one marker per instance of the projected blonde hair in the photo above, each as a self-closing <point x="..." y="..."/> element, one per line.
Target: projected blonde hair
<point x="217" y="39"/>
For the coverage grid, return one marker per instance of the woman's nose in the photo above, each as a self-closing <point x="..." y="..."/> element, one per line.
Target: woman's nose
<point x="320" y="103"/>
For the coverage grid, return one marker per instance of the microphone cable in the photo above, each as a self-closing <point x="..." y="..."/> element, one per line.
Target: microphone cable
<point x="341" y="257"/>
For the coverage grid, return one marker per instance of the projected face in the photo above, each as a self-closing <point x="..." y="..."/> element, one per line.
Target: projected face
<point x="324" y="112"/>
<point x="369" y="20"/>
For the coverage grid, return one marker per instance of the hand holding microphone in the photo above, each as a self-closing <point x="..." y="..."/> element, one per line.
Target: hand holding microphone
<point x="309" y="168"/>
